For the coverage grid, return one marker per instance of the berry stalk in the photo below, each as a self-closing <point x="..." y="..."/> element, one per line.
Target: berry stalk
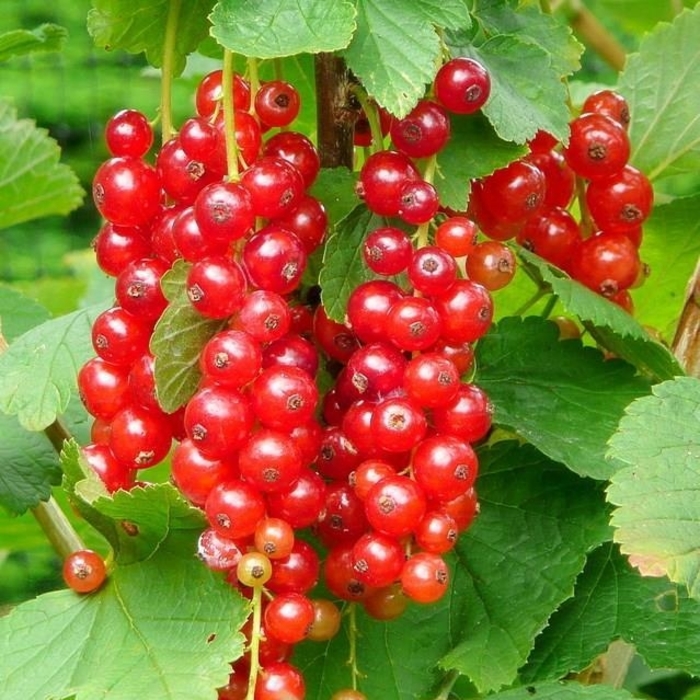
<point x="229" y="118"/>
<point x="167" y="70"/>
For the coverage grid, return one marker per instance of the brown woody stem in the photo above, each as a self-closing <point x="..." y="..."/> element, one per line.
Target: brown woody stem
<point x="334" y="112"/>
<point x="686" y="342"/>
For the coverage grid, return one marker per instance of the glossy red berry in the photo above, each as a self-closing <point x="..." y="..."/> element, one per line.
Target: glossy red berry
<point x="84" y="571"/>
<point x="610" y="103"/>
<point x="462" y="85"/>
<point x="128" y="133"/>
<point x="216" y="287"/>
<point x="598" y="146"/>
<point x="445" y="467"/>
<point x="288" y="617"/>
<point x="387" y="250"/>
<point x="425" y="577"/>
<point x="280" y="680"/>
<point x="456" y="235"/>
<point x="277" y="103"/>
<point x="140" y="438"/>
<point x="395" y="506"/>
<point x="491" y="264"/>
<point x="275" y="186"/>
<point x="126" y="191"/>
<point x="465" y="311"/>
<point x="233" y="508"/>
<point x="423" y="132"/>
<point x="381" y="179"/>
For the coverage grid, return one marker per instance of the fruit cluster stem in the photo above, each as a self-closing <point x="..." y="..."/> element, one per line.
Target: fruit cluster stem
<point x="229" y="117"/>
<point x="590" y="30"/>
<point x="255" y="642"/>
<point x="166" y="82"/>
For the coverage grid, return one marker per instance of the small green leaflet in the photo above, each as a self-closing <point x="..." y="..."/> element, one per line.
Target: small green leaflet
<point x="395" y="49"/>
<point x="527" y="93"/>
<point x="473" y="151"/>
<point x="615" y="329"/>
<point x="33" y="183"/>
<point x="19" y="313"/>
<point x="613" y="601"/>
<point x="530" y="24"/>
<point x="165" y="641"/>
<point x="28" y="466"/>
<point x="657" y="497"/>
<point x="277" y="28"/>
<point x="37" y="372"/>
<point x="545" y="389"/>
<point x="665" y="131"/>
<point x="19" y="42"/>
<point x="343" y="265"/>
<point x="561" y="690"/>
<point x="335" y="187"/>
<point x="140" y="25"/>
<point x="178" y="338"/>
<point x="526" y="548"/>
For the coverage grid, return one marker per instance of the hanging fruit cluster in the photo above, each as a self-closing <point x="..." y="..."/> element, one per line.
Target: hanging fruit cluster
<point x="366" y="484"/>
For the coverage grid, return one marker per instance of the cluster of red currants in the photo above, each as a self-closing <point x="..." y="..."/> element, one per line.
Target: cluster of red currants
<point x="380" y="469"/>
<point x="531" y="200"/>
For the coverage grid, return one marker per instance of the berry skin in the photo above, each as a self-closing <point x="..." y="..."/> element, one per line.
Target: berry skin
<point x="128" y="133"/>
<point x="275" y="186"/>
<point x="413" y="323"/>
<point x="395" y="506"/>
<point x="610" y="103"/>
<point x="425" y="577"/>
<point x="274" y="259"/>
<point x="140" y="438"/>
<point x="462" y="85"/>
<point x="598" y="146"/>
<point x="254" y="569"/>
<point x="387" y="250"/>
<point x="327" y="621"/>
<point x="456" y="236"/>
<point x="423" y="132"/>
<point x="491" y="264"/>
<point x="288" y="617"/>
<point x="465" y="312"/>
<point x="377" y="559"/>
<point x="621" y="202"/>
<point x="84" y="571"/>
<point x="607" y="263"/>
<point x="283" y="397"/>
<point x="269" y="461"/>
<point x="515" y="192"/>
<point x="234" y="508"/>
<point x="280" y="680"/>
<point x="216" y="287"/>
<point x="381" y="178"/>
<point x="277" y="103"/>
<point x="126" y="191"/>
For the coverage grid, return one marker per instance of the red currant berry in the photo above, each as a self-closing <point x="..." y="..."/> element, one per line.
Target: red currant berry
<point x="216" y="287"/>
<point x="395" y="506"/>
<point x="84" y="571"/>
<point x="128" y="133"/>
<point x="423" y="132"/>
<point x="233" y="509"/>
<point x="425" y="577"/>
<point x="387" y="250"/>
<point x="277" y="103"/>
<point x="462" y="85"/>
<point x="598" y="146"/>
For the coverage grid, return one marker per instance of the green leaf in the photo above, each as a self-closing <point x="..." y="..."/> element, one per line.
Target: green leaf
<point x="473" y="151"/>
<point x="671" y="248"/>
<point x="178" y="338"/>
<point x="611" y="326"/>
<point x="38" y="371"/>
<point x="561" y="690"/>
<point x="19" y="313"/>
<point x="657" y="519"/>
<point x="141" y="25"/>
<point x="529" y="23"/>
<point x="527" y="93"/>
<point x="395" y="662"/>
<point x="32" y="181"/>
<point x="564" y="398"/>
<point x="275" y="28"/>
<point x="612" y="601"/>
<point x="29" y="466"/>
<point x="395" y="49"/>
<point x="335" y="187"/>
<point x="536" y="524"/>
<point x="343" y="264"/>
<point x="19" y="42"/>
<point x="664" y="131"/>
<point x="170" y="624"/>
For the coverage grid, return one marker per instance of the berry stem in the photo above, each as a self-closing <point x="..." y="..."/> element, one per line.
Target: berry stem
<point x="421" y="234"/>
<point x="57" y="528"/>
<point x="352" y="634"/>
<point x="447" y="685"/>
<point x="253" y="76"/>
<point x="372" y="115"/>
<point x="595" y="35"/>
<point x="255" y="642"/>
<point x="229" y="117"/>
<point x="586" y="220"/>
<point x="334" y="125"/>
<point x="166" y="82"/>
